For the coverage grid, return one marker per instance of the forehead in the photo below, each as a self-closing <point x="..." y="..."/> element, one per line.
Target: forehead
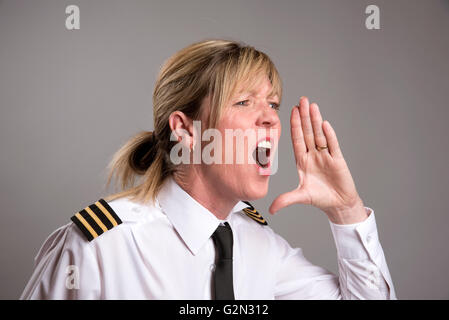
<point x="259" y="88"/>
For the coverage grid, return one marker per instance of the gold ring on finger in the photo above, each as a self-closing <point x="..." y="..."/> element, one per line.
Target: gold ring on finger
<point x="321" y="148"/>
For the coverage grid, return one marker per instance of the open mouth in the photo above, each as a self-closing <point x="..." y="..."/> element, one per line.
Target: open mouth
<point x="262" y="153"/>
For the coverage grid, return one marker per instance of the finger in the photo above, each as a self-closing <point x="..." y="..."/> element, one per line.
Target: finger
<point x="332" y="142"/>
<point x="317" y="124"/>
<point x="299" y="145"/>
<point x="289" y="198"/>
<point x="304" y="111"/>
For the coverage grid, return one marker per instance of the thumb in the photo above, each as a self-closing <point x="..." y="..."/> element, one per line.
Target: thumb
<point x="289" y="198"/>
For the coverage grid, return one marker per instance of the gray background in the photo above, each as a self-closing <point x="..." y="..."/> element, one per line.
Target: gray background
<point x="69" y="99"/>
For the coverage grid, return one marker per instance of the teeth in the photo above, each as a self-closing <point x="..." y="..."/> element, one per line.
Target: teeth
<point x="264" y="144"/>
<point x="262" y="153"/>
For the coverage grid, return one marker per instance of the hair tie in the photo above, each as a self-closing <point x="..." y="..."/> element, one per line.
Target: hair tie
<point x="144" y="154"/>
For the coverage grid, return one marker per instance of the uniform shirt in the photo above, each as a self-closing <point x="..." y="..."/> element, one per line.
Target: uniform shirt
<point x="164" y="250"/>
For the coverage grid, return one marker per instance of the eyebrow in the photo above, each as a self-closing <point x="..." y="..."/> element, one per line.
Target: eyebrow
<point x="252" y="92"/>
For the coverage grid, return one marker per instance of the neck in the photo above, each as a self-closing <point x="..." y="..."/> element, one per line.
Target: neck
<point x="205" y="193"/>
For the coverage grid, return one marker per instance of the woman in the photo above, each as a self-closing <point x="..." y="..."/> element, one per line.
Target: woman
<point x="185" y="229"/>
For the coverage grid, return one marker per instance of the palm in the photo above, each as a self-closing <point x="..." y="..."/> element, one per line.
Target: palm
<point x="324" y="177"/>
<point x="324" y="180"/>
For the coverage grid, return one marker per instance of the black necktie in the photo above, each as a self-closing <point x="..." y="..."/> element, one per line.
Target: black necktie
<point x="222" y="279"/>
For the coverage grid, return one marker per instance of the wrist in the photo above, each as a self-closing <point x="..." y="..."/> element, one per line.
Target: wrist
<point x="348" y="214"/>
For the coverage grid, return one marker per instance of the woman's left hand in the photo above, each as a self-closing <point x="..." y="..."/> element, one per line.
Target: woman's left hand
<point x="324" y="178"/>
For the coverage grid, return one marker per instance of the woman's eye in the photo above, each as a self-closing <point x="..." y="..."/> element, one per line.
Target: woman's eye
<point x="275" y="105"/>
<point x="240" y="103"/>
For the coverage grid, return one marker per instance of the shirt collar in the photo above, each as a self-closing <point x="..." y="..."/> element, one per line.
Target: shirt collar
<point x="194" y="223"/>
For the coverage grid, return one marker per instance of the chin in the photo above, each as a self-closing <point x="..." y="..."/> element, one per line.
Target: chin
<point x="254" y="191"/>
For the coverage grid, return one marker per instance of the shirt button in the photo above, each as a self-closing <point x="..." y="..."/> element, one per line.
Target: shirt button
<point x="212" y="267"/>
<point x="136" y="210"/>
<point x="369" y="238"/>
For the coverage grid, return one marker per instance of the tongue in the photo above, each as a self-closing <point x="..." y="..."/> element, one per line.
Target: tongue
<point x="262" y="156"/>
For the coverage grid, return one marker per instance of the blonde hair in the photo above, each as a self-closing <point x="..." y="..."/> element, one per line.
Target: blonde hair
<point x="210" y="68"/>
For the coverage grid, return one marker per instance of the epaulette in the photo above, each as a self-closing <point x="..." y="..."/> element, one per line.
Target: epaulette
<point x="253" y="214"/>
<point x="96" y="219"/>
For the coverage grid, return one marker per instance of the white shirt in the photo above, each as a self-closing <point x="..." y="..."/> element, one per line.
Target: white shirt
<point x="165" y="251"/>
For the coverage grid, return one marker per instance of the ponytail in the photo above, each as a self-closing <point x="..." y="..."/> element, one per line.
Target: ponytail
<point x="140" y="157"/>
<point x="142" y="151"/>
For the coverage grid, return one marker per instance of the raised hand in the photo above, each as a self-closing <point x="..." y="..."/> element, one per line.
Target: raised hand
<point x="324" y="177"/>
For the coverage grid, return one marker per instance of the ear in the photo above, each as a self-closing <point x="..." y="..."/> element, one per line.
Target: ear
<point x="182" y="128"/>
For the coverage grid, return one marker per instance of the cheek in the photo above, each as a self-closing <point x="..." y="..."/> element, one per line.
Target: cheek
<point x="279" y="130"/>
<point x="233" y="122"/>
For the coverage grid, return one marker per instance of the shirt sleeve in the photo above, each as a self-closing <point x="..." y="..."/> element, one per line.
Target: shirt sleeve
<point x="363" y="271"/>
<point x="65" y="268"/>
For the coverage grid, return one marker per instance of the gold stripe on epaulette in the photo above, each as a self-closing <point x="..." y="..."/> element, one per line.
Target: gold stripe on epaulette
<point x="96" y="219"/>
<point x="108" y="215"/>
<point x="253" y="214"/>
<point x="86" y="225"/>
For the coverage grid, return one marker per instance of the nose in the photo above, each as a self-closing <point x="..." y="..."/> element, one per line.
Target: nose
<point x="268" y="117"/>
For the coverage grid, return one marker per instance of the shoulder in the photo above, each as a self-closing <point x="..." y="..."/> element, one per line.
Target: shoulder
<point x="102" y="219"/>
<point x="101" y="225"/>
<point x="253" y="214"/>
<point x="250" y="218"/>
